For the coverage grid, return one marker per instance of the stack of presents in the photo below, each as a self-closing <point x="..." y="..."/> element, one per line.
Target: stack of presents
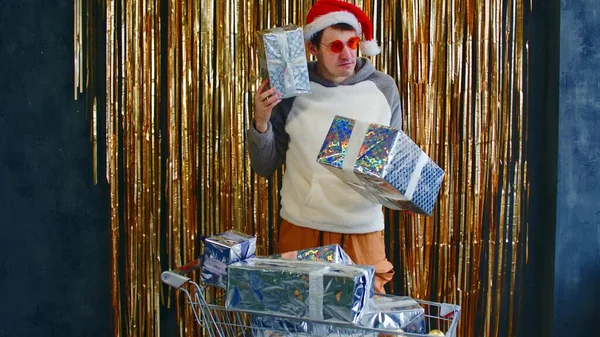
<point x="322" y="283"/>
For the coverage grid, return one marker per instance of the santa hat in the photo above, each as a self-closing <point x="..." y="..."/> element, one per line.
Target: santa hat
<point x="325" y="13"/>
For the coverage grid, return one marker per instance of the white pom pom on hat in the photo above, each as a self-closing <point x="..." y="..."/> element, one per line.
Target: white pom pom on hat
<point x="325" y="13"/>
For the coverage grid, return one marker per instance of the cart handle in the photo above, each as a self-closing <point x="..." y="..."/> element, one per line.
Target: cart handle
<point x="176" y="277"/>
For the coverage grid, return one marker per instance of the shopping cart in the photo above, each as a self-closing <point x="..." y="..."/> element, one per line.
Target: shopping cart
<point x="209" y="311"/>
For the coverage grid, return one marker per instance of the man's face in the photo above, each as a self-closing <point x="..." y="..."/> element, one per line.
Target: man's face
<point x="335" y="67"/>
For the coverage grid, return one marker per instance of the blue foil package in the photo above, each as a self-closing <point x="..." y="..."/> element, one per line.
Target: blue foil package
<point x="394" y="313"/>
<point x="386" y="312"/>
<point x="282" y="58"/>
<point x="329" y="253"/>
<point x="222" y="250"/>
<point x="270" y="326"/>
<point x="304" y="289"/>
<point x="383" y="164"/>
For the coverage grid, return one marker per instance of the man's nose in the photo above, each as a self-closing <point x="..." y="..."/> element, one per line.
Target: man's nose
<point x="346" y="52"/>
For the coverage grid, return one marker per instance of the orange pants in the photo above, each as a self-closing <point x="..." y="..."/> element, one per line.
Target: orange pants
<point x="367" y="249"/>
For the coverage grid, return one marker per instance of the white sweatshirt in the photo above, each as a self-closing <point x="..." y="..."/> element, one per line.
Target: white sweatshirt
<point x="311" y="196"/>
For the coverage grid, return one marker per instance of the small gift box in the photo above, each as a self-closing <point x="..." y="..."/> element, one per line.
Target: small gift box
<point x="304" y="289"/>
<point x="222" y="250"/>
<point x="282" y="58"/>
<point x="383" y="164"/>
<point x="330" y="253"/>
<point x="394" y="313"/>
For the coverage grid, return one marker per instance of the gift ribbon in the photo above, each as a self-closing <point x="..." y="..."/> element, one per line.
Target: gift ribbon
<point x="416" y="175"/>
<point x="315" y="293"/>
<point x="286" y="61"/>
<point x="316" y="289"/>
<point x="359" y="130"/>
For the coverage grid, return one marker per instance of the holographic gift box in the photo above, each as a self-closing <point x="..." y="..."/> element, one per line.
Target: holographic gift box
<point x="330" y="253"/>
<point x="304" y="289"/>
<point x="383" y="164"/>
<point x="282" y="59"/>
<point x="222" y="250"/>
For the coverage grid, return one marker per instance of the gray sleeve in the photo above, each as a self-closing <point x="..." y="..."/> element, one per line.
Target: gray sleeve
<point x="267" y="150"/>
<point x="388" y="87"/>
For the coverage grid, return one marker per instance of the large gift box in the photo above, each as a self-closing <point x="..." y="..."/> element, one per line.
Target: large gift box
<point x="329" y="253"/>
<point x="268" y="326"/>
<point x="222" y="250"/>
<point x="304" y="289"/>
<point x="383" y="164"/>
<point x="282" y="58"/>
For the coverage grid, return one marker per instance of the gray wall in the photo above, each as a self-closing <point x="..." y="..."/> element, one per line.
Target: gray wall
<point x="54" y="240"/>
<point x="577" y="259"/>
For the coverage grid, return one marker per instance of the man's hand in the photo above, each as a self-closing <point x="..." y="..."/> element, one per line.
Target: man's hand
<point x="264" y="101"/>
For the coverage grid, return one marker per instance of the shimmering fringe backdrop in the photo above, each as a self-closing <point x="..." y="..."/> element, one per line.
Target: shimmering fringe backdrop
<point x="175" y="95"/>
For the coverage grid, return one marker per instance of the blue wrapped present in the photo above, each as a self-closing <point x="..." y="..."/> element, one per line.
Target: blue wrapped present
<point x="304" y="289"/>
<point x="222" y="250"/>
<point x="386" y="313"/>
<point x="394" y="313"/>
<point x="383" y="164"/>
<point x="282" y="58"/>
<point x="271" y="326"/>
<point x="329" y="253"/>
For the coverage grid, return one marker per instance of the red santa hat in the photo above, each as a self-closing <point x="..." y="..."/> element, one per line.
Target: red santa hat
<point x="325" y="13"/>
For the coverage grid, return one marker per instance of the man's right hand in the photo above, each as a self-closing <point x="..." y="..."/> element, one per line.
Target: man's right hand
<point x="264" y="101"/>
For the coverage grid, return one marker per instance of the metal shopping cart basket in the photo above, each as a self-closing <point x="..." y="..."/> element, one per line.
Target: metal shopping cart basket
<point x="209" y="311"/>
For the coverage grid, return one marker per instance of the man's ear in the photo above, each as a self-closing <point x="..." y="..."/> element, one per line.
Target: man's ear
<point x="312" y="49"/>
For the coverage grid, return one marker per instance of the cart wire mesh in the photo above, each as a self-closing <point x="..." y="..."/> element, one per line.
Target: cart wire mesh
<point x="208" y="307"/>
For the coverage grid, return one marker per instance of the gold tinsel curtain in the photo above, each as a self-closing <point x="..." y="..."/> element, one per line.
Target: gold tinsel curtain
<point x="169" y="87"/>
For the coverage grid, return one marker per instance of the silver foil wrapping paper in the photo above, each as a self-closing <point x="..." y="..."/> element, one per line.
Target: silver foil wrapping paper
<point x="394" y="313"/>
<point x="386" y="312"/>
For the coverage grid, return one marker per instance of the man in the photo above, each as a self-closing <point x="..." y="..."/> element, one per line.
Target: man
<point x="316" y="207"/>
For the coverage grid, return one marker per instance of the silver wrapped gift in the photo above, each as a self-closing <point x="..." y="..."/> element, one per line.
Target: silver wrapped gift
<point x="222" y="250"/>
<point x="383" y="164"/>
<point x="282" y="58"/>
<point x="270" y="326"/>
<point x="394" y="313"/>
<point x="386" y="312"/>
<point x="305" y="289"/>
